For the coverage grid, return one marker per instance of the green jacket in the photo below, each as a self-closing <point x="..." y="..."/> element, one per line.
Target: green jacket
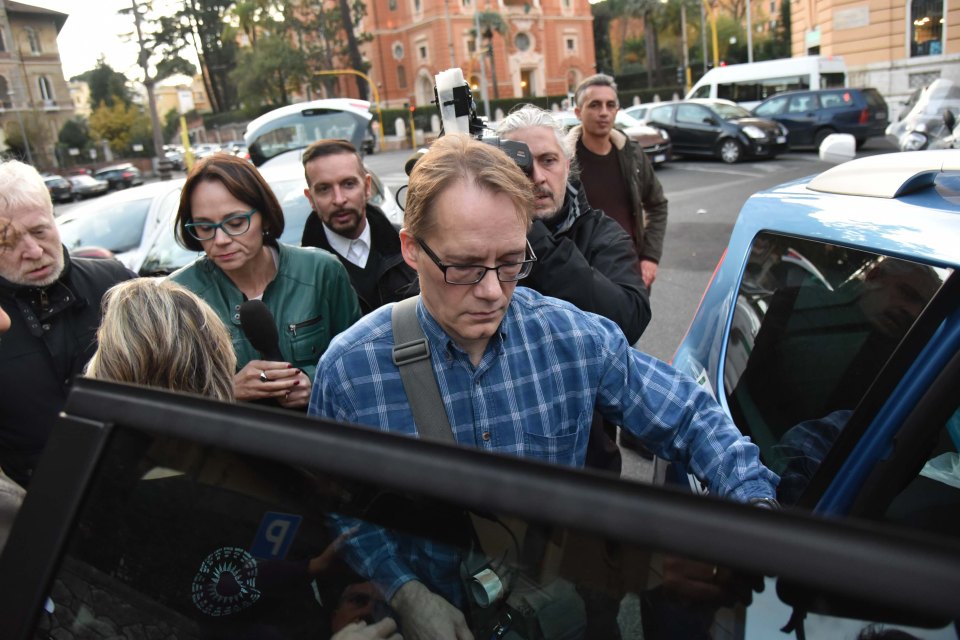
<point x="311" y="299"/>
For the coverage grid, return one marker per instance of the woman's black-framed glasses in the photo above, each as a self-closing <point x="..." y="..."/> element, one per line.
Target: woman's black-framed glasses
<point x="236" y="224"/>
<point x="474" y="273"/>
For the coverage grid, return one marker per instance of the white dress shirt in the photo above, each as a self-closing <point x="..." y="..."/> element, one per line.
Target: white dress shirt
<point x="356" y="251"/>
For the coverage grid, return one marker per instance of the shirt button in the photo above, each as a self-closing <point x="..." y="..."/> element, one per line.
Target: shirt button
<point x="486" y="436"/>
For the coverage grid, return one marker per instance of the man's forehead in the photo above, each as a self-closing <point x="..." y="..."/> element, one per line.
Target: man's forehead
<point x="334" y="165"/>
<point x="540" y="139"/>
<point x="28" y="216"/>
<point x="601" y="93"/>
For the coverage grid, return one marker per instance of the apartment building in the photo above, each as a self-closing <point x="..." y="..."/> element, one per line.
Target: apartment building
<point x="893" y="45"/>
<point x="34" y="95"/>
<point x="545" y="48"/>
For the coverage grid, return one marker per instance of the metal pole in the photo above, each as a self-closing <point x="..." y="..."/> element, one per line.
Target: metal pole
<point x="483" y="66"/>
<point x="703" y="36"/>
<point x="749" y="33"/>
<point x="683" y="40"/>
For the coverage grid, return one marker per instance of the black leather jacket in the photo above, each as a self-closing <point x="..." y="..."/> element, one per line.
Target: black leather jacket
<point x="43" y="351"/>
<point x="587" y="259"/>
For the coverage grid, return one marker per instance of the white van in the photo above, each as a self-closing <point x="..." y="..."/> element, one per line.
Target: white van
<point x="748" y="84"/>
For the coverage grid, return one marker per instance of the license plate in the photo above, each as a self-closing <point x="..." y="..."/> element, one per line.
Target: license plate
<point x="660" y="158"/>
<point x="781" y="139"/>
<point x="881" y="115"/>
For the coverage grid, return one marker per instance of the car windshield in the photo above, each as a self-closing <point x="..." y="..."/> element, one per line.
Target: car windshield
<point x="117" y="227"/>
<point x="627" y="120"/>
<point x="730" y="111"/>
<point x="297" y="130"/>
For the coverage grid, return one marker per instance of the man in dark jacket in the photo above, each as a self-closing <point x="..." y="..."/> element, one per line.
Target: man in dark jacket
<point x="54" y="306"/>
<point x="357" y="232"/>
<point x="616" y="173"/>
<point x="583" y="256"/>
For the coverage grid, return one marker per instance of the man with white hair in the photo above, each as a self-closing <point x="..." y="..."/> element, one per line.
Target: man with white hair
<point x="54" y="306"/>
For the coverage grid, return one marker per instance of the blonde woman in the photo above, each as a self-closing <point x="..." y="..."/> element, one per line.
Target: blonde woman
<point x="158" y="333"/>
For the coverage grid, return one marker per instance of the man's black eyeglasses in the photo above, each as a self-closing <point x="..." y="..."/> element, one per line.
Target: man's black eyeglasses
<point x="474" y="273"/>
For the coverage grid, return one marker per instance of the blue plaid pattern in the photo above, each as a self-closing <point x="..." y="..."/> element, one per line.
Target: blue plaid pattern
<point x="533" y="395"/>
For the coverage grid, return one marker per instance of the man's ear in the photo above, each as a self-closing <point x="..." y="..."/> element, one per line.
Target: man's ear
<point x="306" y="194"/>
<point x="576" y="112"/>
<point x="367" y="187"/>
<point x="409" y="248"/>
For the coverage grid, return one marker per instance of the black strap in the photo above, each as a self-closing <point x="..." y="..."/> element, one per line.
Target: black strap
<point x="411" y="354"/>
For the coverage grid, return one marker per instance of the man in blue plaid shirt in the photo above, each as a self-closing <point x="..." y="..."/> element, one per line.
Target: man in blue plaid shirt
<point x="519" y="373"/>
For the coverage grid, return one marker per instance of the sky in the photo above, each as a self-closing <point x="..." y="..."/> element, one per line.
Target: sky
<point x="94" y="28"/>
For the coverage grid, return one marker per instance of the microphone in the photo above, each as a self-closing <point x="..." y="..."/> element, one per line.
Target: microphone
<point x="260" y="327"/>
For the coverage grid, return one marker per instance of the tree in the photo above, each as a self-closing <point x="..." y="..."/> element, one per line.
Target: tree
<point x="106" y="84"/>
<point x="75" y="134"/>
<point x="270" y="71"/>
<point x="602" y="21"/>
<point x="117" y="125"/>
<point x="203" y="26"/>
<point x="490" y="23"/>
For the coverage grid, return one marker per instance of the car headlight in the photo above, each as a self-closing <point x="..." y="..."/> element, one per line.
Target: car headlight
<point x="914" y="142"/>
<point x="666" y="136"/>
<point x="754" y="132"/>
<point x="783" y="130"/>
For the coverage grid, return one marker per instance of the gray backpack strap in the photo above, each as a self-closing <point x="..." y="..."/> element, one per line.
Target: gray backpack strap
<point x="411" y="354"/>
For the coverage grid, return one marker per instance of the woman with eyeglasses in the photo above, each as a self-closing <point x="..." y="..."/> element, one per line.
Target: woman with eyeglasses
<point x="228" y="211"/>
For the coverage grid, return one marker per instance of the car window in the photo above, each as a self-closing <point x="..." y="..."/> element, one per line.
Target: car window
<point x="298" y="130"/>
<point x="802" y="103"/>
<point x="814" y="323"/>
<point x="835" y="99"/>
<point x="663" y="115"/>
<point x="692" y="114"/>
<point x="189" y="540"/>
<point x="771" y="107"/>
<point x="117" y="227"/>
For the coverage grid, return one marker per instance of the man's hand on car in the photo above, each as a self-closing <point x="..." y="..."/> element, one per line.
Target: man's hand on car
<point x="386" y="628"/>
<point x="708" y="584"/>
<point x="427" y="616"/>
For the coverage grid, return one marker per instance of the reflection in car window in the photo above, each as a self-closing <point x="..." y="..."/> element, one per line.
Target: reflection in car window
<point x="298" y="130"/>
<point x="663" y="115"/>
<point x="771" y="107"/>
<point x="814" y="324"/>
<point x="118" y="227"/>
<point x="691" y="114"/>
<point x="195" y="542"/>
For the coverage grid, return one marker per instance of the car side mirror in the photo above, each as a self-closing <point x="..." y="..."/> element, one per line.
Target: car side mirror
<point x="838" y="148"/>
<point x="949" y="119"/>
<point x="710" y="120"/>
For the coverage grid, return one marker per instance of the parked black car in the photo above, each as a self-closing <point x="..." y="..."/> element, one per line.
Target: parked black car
<point x="718" y="128"/>
<point x="59" y="188"/>
<point x="810" y="116"/>
<point x="120" y="176"/>
<point x="88" y="186"/>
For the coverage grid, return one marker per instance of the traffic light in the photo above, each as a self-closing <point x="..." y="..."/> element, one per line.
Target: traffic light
<point x="680" y="75"/>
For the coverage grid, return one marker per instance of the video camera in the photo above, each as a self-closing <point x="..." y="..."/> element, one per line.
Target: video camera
<point x="458" y="114"/>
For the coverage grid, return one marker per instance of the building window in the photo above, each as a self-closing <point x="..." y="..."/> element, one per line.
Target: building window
<point x="397" y="50"/>
<point x="570" y="44"/>
<point x="567" y="4"/>
<point x="3" y="43"/>
<point x="401" y="77"/>
<point x="5" y="94"/>
<point x="417" y="6"/>
<point x="926" y="27"/>
<point x="32" y="39"/>
<point x="422" y="52"/>
<point x="522" y="42"/>
<point x="46" y="90"/>
<point x="392" y="5"/>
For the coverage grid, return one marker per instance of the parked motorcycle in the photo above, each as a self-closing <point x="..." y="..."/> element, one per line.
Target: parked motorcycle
<point x="930" y="122"/>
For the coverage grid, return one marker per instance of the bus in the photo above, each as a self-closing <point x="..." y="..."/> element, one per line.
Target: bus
<point x="749" y="84"/>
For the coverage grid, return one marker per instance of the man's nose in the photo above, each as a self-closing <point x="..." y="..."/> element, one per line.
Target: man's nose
<point x="31" y="248"/>
<point x="338" y="194"/>
<point x="489" y="286"/>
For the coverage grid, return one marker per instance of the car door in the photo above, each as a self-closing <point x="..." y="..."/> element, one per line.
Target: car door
<point x="142" y="514"/>
<point x="698" y="127"/>
<point x="662" y="118"/>
<point x="800" y="117"/>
